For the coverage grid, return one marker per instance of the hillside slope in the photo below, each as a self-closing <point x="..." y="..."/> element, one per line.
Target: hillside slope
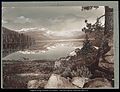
<point x="13" y="41"/>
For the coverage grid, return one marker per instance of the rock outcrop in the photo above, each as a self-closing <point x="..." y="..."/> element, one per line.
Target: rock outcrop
<point x="79" y="81"/>
<point x="107" y="63"/>
<point x="98" y="83"/>
<point x="33" y="84"/>
<point x="56" y="81"/>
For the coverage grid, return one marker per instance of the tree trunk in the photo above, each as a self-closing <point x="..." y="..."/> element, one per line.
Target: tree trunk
<point x="108" y="20"/>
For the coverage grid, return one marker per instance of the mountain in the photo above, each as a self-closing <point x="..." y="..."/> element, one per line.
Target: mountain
<point x="13" y="41"/>
<point x="45" y="34"/>
<point x="38" y="35"/>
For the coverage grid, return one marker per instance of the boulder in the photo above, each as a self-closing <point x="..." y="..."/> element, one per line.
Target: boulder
<point x="108" y="66"/>
<point x="33" y="84"/>
<point x="79" y="81"/>
<point x="110" y="58"/>
<point x="56" y="81"/>
<point x="111" y="52"/>
<point x="107" y="62"/>
<point x="98" y="83"/>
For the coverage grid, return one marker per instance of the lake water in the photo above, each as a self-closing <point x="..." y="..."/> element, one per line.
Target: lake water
<point x="45" y="50"/>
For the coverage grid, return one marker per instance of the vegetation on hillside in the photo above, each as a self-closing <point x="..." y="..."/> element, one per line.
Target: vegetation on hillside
<point x="13" y="41"/>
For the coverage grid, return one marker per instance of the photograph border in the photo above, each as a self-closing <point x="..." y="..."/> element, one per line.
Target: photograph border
<point x="113" y="4"/>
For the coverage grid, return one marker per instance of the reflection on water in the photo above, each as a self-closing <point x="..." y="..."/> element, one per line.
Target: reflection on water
<point x="13" y="47"/>
<point x="45" y="51"/>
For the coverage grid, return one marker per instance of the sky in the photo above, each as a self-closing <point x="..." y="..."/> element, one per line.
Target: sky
<point x="18" y="17"/>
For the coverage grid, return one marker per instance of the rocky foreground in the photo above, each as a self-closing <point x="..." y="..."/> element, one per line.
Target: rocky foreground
<point x="18" y="74"/>
<point x="73" y="72"/>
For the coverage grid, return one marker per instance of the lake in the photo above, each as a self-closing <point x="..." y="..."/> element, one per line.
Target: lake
<point x="46" y="50"/>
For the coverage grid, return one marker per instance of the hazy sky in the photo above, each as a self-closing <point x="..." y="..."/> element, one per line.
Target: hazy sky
<point x="56" y="18"/>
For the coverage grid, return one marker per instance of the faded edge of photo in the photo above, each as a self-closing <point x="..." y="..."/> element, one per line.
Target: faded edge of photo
<point x="113" y="4"/>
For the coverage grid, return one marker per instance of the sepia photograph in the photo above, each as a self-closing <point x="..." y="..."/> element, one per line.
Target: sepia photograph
<point x="59" y="45"/>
